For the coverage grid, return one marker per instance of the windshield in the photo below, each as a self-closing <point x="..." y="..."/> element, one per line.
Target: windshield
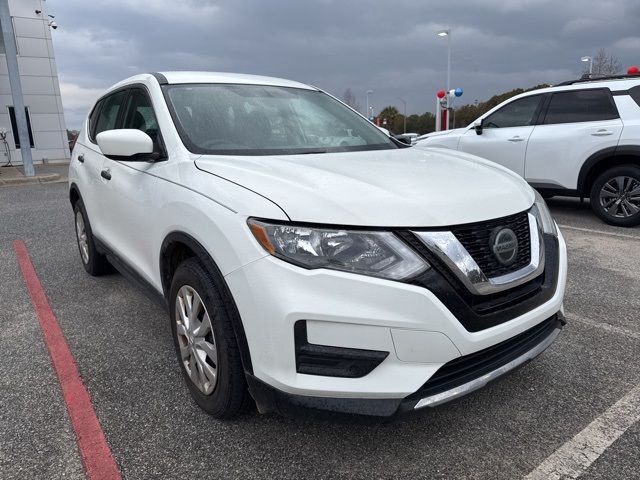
<point x="265" y="120"/>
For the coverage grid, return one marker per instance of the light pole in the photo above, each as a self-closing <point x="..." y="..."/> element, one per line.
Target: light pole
<point x="405" y="114"/>
<point x="447" y="33"/>
<point x="588" y="58"/>
<point x="369" y="92"/>
<point x="16" y="88"/>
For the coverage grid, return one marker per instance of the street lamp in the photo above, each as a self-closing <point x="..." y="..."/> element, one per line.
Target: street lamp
<point x="369" y="92"/>
<point x="447" y="33"/>
<point x="405" y="114"/>
<point x="588" y="58"/>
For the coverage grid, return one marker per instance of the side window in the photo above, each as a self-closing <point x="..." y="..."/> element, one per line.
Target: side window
<point x="139" y="115"/>
<point x="581" y="106"/>
<point x="93" y="120"/>
<point x="109" y="112"/>
<point x="635" y="94"/>
<point x="519" y="113"/>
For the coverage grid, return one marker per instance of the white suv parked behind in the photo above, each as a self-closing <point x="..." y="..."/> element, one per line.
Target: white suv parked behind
<point x="299" y="271"/>
<point x="579" y="138"/>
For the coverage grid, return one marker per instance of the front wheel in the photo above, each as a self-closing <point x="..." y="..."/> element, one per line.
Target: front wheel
<point x="615" y="196"/>
<point x="205" y="341"/>
<point x="93" y="261"/>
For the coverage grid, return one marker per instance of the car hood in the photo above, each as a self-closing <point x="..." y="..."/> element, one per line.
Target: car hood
<point x="386" y="188"/>
<point x="442" y="133"/>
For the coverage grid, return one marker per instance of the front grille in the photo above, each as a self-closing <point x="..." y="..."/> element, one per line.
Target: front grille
<point x="469" y="367"/>
<point x="476" y="238"/>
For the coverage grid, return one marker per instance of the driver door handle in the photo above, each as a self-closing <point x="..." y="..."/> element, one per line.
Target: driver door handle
<point x="106" y="174"/>
<point x="602" y="133"/>
<point x="517" y="138"/>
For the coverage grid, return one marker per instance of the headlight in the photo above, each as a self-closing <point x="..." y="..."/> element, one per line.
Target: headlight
<point x="543" y="216"/>
<point x="378" y="254"/>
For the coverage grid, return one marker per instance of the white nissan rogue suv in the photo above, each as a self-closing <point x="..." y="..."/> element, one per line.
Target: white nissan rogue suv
<point x="302" y="272"/>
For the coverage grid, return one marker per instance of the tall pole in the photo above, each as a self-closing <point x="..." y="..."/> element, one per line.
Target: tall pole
<point x="405" y="114"/>
<point x="368" y="113"/>
<point x="449" y="62"/>
<point x="11" y="54"/>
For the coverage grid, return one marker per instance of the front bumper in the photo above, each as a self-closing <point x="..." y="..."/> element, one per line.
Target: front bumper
<point x="489" y="364"/>
<point x="416" y="326"/>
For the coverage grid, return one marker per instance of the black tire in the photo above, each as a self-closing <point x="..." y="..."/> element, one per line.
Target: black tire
<point x="230" y="395"/>
<point x="94" y="263"/>
<point x="618" y="217"/>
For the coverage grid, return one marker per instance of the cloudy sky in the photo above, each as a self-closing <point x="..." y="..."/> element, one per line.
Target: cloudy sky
<point x="387" y="46"/>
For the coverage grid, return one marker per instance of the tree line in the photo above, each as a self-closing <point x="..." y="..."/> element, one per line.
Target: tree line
<point x="603" y="64"/>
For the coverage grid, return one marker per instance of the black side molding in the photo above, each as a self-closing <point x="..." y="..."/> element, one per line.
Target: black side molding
<point x="131" y="275"/>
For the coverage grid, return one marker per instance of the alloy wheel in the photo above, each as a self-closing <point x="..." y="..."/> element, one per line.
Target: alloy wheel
<point x="198" y="348"/>
<point x="620" y="197"/>
<point x="81" y="233"/>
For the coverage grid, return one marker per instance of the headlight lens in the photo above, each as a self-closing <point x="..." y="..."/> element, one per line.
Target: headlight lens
<point x="378" y="254"/>
<point x="543" y="216"/>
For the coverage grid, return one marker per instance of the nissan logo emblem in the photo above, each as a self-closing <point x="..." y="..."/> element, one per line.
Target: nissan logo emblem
<point x="504" y="245"/>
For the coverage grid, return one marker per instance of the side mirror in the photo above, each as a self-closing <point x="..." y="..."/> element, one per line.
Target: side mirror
<point x="128" y="145"/>
<point x="402" y="138"/>
<point x="478" y="127"/>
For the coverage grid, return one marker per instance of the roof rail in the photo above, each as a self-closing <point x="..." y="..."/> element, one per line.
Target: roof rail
<point x="597" y="79"/>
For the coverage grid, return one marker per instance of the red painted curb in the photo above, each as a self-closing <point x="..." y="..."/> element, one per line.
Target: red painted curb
<point x="96" y="456"/>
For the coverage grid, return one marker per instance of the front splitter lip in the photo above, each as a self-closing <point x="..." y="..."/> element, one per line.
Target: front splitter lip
<point x="466" y="388"/>
<point x="270" y="399"/>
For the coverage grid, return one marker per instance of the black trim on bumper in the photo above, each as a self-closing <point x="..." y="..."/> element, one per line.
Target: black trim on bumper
<point x="455" y="373"/>
<point x="328" y="361"/>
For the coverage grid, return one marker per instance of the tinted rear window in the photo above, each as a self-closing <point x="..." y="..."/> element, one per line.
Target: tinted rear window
<point x="581" y="106"/>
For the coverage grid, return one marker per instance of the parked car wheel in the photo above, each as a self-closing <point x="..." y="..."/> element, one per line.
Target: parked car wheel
<point x="615" y="196"/>
<point x="205" y="342"/>
<point x="93" y="262"/>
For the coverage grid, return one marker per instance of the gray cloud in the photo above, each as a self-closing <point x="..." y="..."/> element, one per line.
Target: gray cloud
<point x="390" y="47"/>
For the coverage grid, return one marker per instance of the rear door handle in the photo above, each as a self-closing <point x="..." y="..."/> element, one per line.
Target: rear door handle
<point x="106" y="174"/>
<point x="81" y="158"/>
<point x="516" y="139"/>
<point x="602" y="133"/>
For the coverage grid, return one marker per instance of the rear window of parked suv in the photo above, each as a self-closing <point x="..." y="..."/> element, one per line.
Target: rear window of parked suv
<point x="581" y="106"/>
<point x="635" y="94"/>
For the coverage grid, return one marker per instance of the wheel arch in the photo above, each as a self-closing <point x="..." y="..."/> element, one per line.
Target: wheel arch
<point x="74" y="194"/>
<point x="176" y="247"/>
<point x="601" y="161"/>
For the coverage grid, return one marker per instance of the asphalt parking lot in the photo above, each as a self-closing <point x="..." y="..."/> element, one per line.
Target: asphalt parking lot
<point x="122" y="345"/>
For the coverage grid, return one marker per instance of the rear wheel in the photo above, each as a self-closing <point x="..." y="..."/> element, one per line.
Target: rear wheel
<point x="615" y="196"/>
<point x="93" y="262"/>
<point x="205" y="342"/>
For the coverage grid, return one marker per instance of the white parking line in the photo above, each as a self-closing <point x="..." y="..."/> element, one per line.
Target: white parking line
<point x="600" y="232"/>
<point x="604" y="326"/>
<point x="574" y="457"/>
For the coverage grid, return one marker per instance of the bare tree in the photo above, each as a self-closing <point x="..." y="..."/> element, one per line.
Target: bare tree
<point x="605" y="64"/>
<point x="350" y="99"/>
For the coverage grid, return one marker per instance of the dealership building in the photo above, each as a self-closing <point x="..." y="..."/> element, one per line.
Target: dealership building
<point x="38" y="76"/>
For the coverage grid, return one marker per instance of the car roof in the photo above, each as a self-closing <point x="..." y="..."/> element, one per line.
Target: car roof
<point x="226" y="77"/>
<point x="613" y="84"/>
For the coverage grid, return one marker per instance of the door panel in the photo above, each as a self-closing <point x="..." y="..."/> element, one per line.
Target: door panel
<point x="577" y="124"/>
<point x="129" y="194"/>
<point x="505" y="133"/>
<point x="556" y="153"/>
<point x="129" y="212"/>
<point x="506" y="146"/>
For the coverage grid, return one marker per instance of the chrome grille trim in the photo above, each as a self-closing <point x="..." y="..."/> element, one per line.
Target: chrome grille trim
<point x="452" y="253"/>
